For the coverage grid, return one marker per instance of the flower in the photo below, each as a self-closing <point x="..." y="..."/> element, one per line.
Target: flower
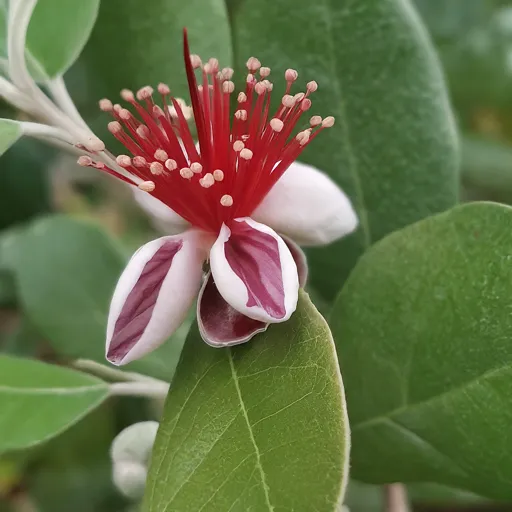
<point x="226" y="197"/>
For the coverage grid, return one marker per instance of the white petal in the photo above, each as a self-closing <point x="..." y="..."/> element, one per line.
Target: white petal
<point x="254" y="271"/>
<point x="153" y="295"/>
<point x="308" y="206"/>
<point x="164" y="218"/>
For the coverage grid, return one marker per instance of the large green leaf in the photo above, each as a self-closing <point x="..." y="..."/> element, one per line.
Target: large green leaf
<point x="133" y="45"/>
<point x="259" y="427"/>
<point x="38" y="401"/>
<point x="72" y="21"/>
<point x="66" y="271"/>
<point x="393" y="148"/>
<point x="422" y="328"/>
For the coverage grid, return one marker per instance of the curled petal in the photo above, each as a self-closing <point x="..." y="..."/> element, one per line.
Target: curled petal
<point x="153" y="295"/>
<point x="220" y="324"/>
<point x="164" y="218"/>
<point x="254" y="271"/>
<point x="300" y="260"/>
<point x="306" y="205"/>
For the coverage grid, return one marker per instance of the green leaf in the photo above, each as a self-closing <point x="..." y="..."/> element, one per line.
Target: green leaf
<point x="261" y="426"/>
<point x="10" y="132"/>
<point x="132" y="46"/>
<point x="39" y="401"/>
<point x="422" y="328"/>
<point x="72" y="21"/>
<point x="66" y="272"/>
<point x="393" y="148"/>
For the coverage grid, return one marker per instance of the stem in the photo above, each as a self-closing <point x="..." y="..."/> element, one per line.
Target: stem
<point x="395" y="496"/>
<point x="114" y="374"/>
<point x="148" y="389"/>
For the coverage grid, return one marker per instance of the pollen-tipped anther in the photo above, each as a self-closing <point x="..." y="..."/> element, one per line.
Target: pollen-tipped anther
<point x="328" y="122"/>
<point x="114" y="127"/>
<point x="226" y="200"/>
<point x="156" y="168"/>
<point x="147" y="186"/>
<point x="312" y="86"/>
<point x="227" y="73"/>
<point x="94" y="144"/>
<point x="315" y="121"/>
<point x="161" y="154"/>
<point x="299" y="97"/>
<point x="228" y="87"/>
<point x="291" y="75"/>
<point x="238" y="145"/>
<point x="241" y="114"/>
<point x="106" y="105"/>
<point x="246" y="154"/>
<point x="143" y="131"/>
<point x="196" y="168"/>
<point x="144" y="92"/>
<point x="260" y="88"/>
<point x="288" y="101"/>
<point x="276" y="124"/>
<point x="303" y="137"/>
<point x="139" y="161"/>
<point x="242" y="97"/>
<point x="195" y="60"/>
<point x="264" y="72"/>
<point x="171" y="164"/>
<point x="218" y="175"/>
<point x="123" y="161"/>
<point x="124" y="114"/>
<point x="164" y="89"/>
<point x="207" y="180"/>
<point x="84" y="161"/>
<point x="305" y="104"/>
<point x="253" y="64"/>
<point x="186" y="173"/>
<point x="127" y="95"/>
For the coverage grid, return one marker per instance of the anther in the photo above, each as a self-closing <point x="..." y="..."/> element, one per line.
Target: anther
<point x="291" y="75"/>
<point x="139" y="161"/>
<point x="161" y="155"/>
<point x="315" y="121"/>
<point x="253" y="64"/>
<point x="305" y="104"/>
<point x="195" y="60"/>
<point x="106" y="105"/>
<point x="157" y="111"/>
<point x="328" y="122"/>
<point x="143" y="131"/>
<point x="268" y="84"/>
<point x="312" y="86"/>
<point x="144" y="92"/>
<point x="207" y="180"/>
<point x="123" y="160"/>
<point x="124" y="114"/>
<point x="241" y="114"/>
<point x="250" y="79"/>
<point x="242" y="97"/>
<point x="214" y="64"/>
<point x="227" y="73"/>
<point x="246" y="154"/>
<point x="302" y="137"/>
<point x="196" y="168"/>
<point x="276" y="124"/>
<point x="147" y="186"/>
<point x="127" y="95"/>
<point x="117" y="108"/>
<point x="238" y="145"/>
<point x="226" y="200"/>
<point x="228" y="87"/>
<point x="156" y="168"/>
<point x="186" y="173"/>
<point x="288" y="101"/>
<point x="299" y="97"/>
<point x="171" y="164"/>
<point x="164" y="89"/>
<point x="114" y="127"/>
<point x="218" y="175"/>
<point x="260" y="88"/>
<point x="264" y="72"/>
<point x="84" y="161"/>
<point x="94" y="144"/>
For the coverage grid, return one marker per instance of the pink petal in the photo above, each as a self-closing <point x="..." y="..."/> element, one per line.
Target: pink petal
<point x="254" y="271"/>
<point x="306" y="205"/>
<point x="153" y="295"/>
<point x="221" y="325"/>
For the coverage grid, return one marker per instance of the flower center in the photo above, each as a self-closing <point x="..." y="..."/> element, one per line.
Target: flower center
<point x="237" y="160"/>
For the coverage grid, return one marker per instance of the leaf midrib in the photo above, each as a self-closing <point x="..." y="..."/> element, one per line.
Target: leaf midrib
<point x="249" y="428"/>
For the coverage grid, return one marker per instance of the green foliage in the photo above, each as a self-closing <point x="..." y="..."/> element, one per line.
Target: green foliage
<point x="39" y="401"/>
<point x="10" y="132"/>
<point x="422" y="332"/>
<point x="259" y="426"/>
<point x="393" y="148"/>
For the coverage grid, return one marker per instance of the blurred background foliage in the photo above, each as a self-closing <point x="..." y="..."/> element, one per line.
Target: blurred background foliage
<point x="474" y="42"/>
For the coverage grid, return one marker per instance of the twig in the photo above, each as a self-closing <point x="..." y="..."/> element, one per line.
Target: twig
<point x="395" y="496"/>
